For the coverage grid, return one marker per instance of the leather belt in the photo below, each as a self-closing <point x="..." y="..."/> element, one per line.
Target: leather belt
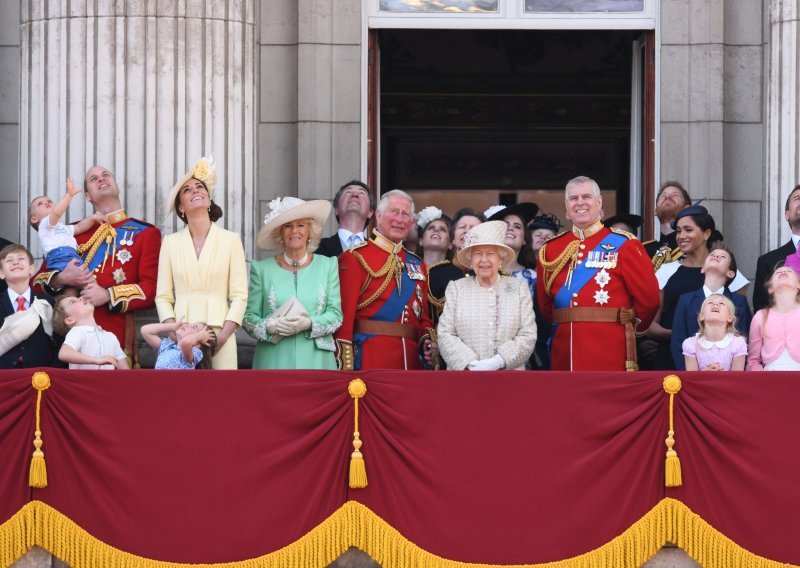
<point x="626" y="317"/>
<point x="373" y="327"/>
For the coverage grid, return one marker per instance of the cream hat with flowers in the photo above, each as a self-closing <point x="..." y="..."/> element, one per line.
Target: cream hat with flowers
<point x="204" y="170"/>
<point x="490" y="233"/>
<point x="286" y="209"/>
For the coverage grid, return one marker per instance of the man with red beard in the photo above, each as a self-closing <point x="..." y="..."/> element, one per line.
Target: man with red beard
<point x="596" y="285"/>
<point x="384" y="295"/>
<point x="672" y="199"/>
<point x="769" y="261"/>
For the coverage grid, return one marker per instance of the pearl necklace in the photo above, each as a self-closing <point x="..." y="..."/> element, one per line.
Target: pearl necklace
<point x="295" y="263"/>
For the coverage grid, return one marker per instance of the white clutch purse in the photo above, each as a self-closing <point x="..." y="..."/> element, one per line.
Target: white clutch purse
<point x="291" y="307"/>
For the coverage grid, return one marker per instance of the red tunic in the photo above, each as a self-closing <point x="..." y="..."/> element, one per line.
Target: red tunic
<point x="598" y="346"/>
<point x="129" y="274"/>
<point x="358" y="286"/>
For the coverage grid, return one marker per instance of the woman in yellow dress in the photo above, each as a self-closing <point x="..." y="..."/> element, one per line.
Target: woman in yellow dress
<point x="202" y="276"/>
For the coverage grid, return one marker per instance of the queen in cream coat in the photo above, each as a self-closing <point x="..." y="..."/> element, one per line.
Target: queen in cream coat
<point x="488" y="321"/>
<point x="202" y="275"/>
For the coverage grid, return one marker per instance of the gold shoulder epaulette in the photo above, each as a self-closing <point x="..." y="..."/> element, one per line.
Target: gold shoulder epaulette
<point x="624" y="233"/>
<point x="553" y="267"/>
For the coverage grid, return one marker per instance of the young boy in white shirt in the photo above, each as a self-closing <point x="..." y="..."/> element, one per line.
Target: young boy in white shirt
<point x="57" y="239"/>
<point x="86" y="345"/>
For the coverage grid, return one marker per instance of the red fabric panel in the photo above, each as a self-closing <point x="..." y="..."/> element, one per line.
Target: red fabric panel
<point x="512" y="467"/>
<point x="17" y="425"/>
<point x="197" y="466"/>
<point x="737" y="436"/>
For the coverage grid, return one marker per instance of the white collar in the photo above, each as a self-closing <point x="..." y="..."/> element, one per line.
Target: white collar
<point x="721" y="344"/>
<point x="344" y="234"/>
<point x="707" y="291"/>
<point x="795" y="240"/>
<point x="13" y="297"/>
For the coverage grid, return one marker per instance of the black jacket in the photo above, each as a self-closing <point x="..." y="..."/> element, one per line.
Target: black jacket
<point x="764" y="269"/>
<point x="39" y="350"/>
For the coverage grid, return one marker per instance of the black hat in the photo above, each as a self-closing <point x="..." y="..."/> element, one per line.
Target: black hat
<point x="545" y="221"/>
<point x="629" y="219"/>
<point x="525" y="211"/>
<point x="689" y="211"/>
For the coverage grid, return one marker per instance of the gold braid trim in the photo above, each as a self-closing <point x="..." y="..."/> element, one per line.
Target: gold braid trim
<point x="392" y="267"/>
<point x="104" y="233"/>
<point x="553" y="267"/>
<point x="353" y="524"/>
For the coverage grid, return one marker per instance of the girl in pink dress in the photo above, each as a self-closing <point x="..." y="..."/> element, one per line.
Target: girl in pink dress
<point x="717" y="346"/>
<point x="775" y="330"/>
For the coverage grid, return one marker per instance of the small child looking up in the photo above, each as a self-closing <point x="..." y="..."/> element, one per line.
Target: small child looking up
<point x="717" y="346"/>
<point x="719" y="270"/>
<point x="57" y="239"/>
<point x="194" y="348"/>
<point x="86" y="345"/>
<point x="775" y="331"/>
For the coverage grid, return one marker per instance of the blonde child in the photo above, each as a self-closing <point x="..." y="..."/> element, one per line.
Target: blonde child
<point x="775" y="330"/>
<point x="86" y="345"/>
<point x="193" y="348"/>
<point x="57" y="239"/>
<point x="717" y="346"/>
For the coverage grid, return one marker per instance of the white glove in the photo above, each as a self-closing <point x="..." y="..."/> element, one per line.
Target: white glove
<point x="296" y="324"/>
<point x="491" y="364"/>
<point x="275" y="326"/>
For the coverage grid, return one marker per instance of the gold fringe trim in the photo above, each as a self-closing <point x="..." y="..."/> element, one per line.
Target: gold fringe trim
<point x="353" y="524"/>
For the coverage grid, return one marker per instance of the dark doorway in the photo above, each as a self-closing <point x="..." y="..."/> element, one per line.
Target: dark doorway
<point x="491" y="115"/>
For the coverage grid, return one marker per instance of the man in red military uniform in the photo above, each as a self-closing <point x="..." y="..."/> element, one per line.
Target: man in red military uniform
<point x="384" y="295"/>
<point x="120" y="268"/>
<point x="597" y="286"/>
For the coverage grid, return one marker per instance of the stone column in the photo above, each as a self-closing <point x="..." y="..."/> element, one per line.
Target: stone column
<point x="143" y="88"/>
<point x="783" y="126"/>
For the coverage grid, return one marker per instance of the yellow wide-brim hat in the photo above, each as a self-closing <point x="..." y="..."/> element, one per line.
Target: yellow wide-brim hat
<point x="287" y="209"/>
<point x="490" y="233"/>
<point x="204" y="170"/>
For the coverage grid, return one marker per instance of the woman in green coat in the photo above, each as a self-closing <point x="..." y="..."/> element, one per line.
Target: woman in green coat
<point x="294" y="305"/>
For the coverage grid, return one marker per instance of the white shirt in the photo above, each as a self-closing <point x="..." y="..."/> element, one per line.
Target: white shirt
<point x="13" y="297"/>
<point x="93" y="341"/>
<point x="344" y="237"/>
<point x="54" y="236"/>
<point x="707" y="291"/>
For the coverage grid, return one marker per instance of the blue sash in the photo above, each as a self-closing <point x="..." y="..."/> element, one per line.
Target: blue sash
<point x="130" y="229"/>
<point x="581" y="275"/>
<point x="390" y="311"/>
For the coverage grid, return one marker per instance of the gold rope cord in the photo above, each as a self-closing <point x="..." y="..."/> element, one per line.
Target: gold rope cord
<point x="392" y="267"/>
<point x="553" y="267"/>
<point x="353" y="524"/>
<point x="104" y="233"/>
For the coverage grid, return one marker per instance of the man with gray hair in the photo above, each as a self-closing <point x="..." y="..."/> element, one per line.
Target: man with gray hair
<point x="596" y="285"/>
<point x="384" y="292"/>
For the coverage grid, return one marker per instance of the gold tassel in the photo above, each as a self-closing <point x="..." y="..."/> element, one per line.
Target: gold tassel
<point x="672" y="469"/>
<point x="358" y="469"/>
<point x="37" y="476"/>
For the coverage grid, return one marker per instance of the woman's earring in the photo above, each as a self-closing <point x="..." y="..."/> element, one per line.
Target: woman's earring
<point x="209" y="209"/>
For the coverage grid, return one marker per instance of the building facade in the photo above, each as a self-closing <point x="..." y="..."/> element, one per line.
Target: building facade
<point x="287" y="97"/>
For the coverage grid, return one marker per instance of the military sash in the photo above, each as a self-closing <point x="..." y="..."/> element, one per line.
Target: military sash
<point x="582" y="273"/>
<point x="390" y="311"/>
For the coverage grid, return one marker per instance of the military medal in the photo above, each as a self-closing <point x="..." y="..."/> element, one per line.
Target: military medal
<point x="123" y="255"/>
<point x="601" y="297"/>
<point x="119" y="275"/>
<point x="602" y="278"/>
<point x="414" y="272"/>
<point x="417" y="308"/>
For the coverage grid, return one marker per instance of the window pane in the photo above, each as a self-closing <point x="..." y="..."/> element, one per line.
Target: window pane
<point x="584" y="5"/>
<point x="438" y="5"/>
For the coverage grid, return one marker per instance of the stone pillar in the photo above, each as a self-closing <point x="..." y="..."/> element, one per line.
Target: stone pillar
<point x="143" y="88"/>
<point x="783" y="129"/>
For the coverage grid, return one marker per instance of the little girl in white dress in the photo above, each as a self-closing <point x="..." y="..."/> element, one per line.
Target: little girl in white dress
<point x="717" y="346"/>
